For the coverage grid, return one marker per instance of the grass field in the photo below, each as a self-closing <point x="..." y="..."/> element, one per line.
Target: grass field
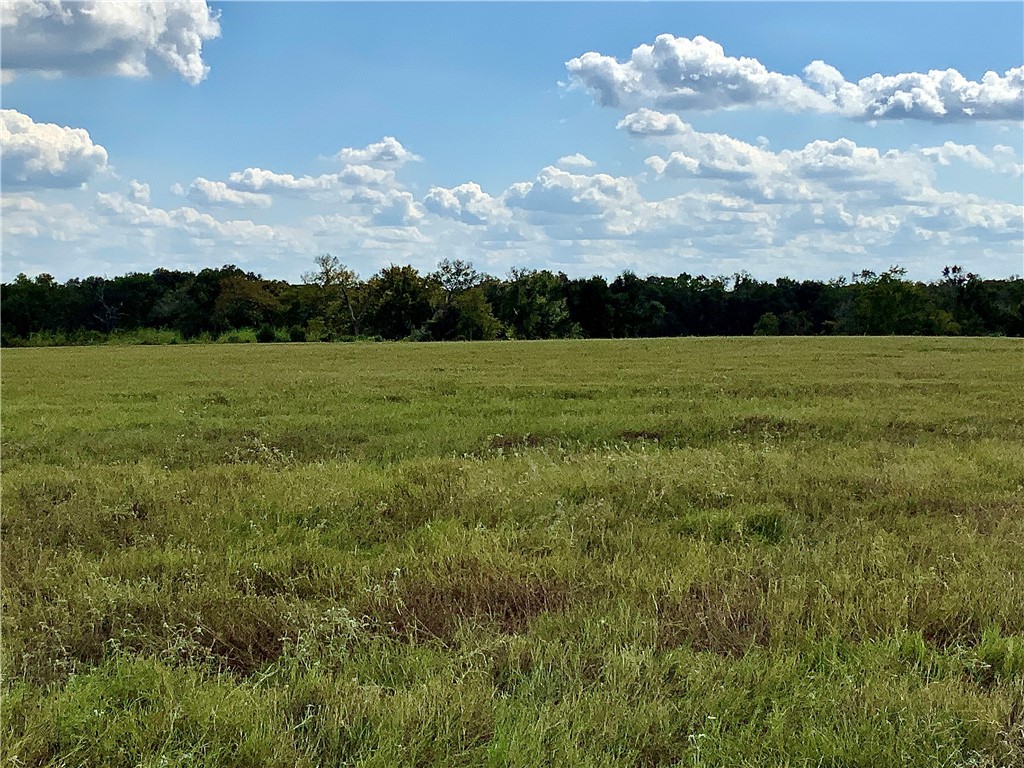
<point x="692" y="552"/>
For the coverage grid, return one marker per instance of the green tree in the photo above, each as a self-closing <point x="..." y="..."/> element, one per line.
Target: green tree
<point x="402" y="301"/>
<point x="532" y="305"/>
<point x="341" y="290"/>
<point x="244" y="301"/>
<point x="767" y="325"/>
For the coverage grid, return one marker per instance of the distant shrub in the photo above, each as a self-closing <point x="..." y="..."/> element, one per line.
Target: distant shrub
<point x="146" y="337"/>
<point x="296" y="333"/>
<point x="266" y="334"/>
<point x="316" y="330"/>
<point x="60" y="339"/>
<point x="767" y="325"/>
<point x="238" y="336"/>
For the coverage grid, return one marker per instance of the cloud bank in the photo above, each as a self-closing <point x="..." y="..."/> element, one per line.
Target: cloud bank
<point x="682" y="74"/>
<point x="92" y="37"/>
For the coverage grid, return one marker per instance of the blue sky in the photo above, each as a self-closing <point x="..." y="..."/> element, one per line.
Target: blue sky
<point x="690" y="137"/>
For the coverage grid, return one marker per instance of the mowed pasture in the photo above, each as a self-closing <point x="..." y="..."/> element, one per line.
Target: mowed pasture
<point x="680" y="552"/>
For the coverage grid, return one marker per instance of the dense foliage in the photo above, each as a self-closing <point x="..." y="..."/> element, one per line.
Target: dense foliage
<point x="456" y="302"/>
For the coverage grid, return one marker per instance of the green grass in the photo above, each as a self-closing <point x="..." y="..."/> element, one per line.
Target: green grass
<point x="710" y="552"/>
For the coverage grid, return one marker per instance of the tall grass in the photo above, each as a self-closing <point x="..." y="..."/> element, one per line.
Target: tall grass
<point x="682" y="552"/>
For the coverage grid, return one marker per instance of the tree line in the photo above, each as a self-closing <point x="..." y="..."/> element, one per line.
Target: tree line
<point x="455" y="302"/>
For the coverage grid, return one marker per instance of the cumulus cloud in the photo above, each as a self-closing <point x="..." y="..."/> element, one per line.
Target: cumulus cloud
<point x="467" y="203"/>
<point x="958" y="213"/>
<point x="185" y="219"/>
<point x="677" y="73"/>
<point x="680" y="73"/>
<point x="821" y="168"/>
<point x="558" y="191"/>
<point x="24" y="216"/>
<point x="216" y="193"/>
<point x="398" y="209"/>
<point x="938" y="95"/>
<point x="92" y="37"/>
<point x="577" y="160"/>
<point x="388" y="152"/>
<point x="356" y="176"/>
<point x="138" y="192"/>
<point x="646" y="123"/>
<point x="40" y="155"/>
<point x="1002" y="160"/>
<point x="572" y="206"/>
<point x="260" y="180"/>
<point x="366" y="176"/>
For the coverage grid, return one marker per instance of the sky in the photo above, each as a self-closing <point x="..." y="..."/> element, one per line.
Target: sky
<point x="807" y="140"/>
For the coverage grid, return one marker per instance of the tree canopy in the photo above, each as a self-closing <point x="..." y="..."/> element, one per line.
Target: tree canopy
<point x="457" y="302"/>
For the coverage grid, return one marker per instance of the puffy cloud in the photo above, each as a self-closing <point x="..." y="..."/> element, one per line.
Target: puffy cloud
<point x="138" y="192"/>
<point x="844" y="165"/>
<point x="958" y="213"/>
<point x="577" y="160"/>
<point x="24" y="216"/>
<point x="717" y="156"/>
<point x="214" y="193"/>
<point x="680" y="74"/>
<point x="646" y="123"/>
<point x="1005" y="160"/>
<point x="1002" y="160"/>
<point x="92" y="37"/>
<point x="467" y="203"/>
<point x="571" y="206"/>
<point x="259" y="180"/>
<point x="558" y="191"/>
<point x="38" y="155"/>
<point x="186" y="220"/>
<point x="388" y="151"/>
<point x="938" y="95"/>
<point x="398" y="209"/>
<point x="366" y="176"/>
<point x="819" y="169"/>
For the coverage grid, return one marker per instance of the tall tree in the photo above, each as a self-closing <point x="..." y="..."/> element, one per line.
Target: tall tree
<point x="340" y="285"/>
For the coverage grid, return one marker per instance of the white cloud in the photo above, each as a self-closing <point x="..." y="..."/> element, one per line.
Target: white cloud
<point x="138" y="192"/>
<point x="213" y="193"/>
<point x="677" y="73"/>
<point x="366" y="176"/>
<point x="1002" y="160"/>
<point x="680" y="73"/>
<point x="970" y="214"/>
<point x="577" y="160"/>
<point x="388" y="151"/>
<point x="358" y="176"/>
<point x="397" y="210"/>
<point x="39" y="155"/>
<point x="573" y="206"/>
<point x="25" y="216"/>
<point x="647" y="123"/>
<point x="259" y="180"/>
<point x="818" y="170"/>
<point x="93" y="37"/>
<point x="187" y="220"/>
<point x="939" y="95"/>
<point x="467" y="203"/>
<point x="558" y="191"/>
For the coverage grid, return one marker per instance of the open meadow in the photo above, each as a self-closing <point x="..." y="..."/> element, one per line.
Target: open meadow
<point x="678" y="552"/>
